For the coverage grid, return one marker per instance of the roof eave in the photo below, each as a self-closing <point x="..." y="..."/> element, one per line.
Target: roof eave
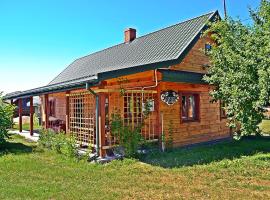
<point x="49" y="89"/>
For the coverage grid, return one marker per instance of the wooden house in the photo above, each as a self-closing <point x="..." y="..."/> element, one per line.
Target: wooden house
<point x="163" y="69"/>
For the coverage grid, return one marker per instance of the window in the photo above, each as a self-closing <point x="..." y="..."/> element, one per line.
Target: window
<point x="52" y="107"/>
<point x="190" y="107"/>
<point x="207" y="48"/>
<point x="222" y="110"/>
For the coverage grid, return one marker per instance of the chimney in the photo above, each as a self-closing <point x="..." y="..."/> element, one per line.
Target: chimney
<point x="130" y="35"/>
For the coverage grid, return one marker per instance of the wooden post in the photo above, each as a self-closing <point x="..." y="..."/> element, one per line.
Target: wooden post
<point x="46" y="111"/>
<point x="11" y="102"/>
<point x="159" y="118"/>
<point x="158" y="108"/>
<point x="102" y="131"/>
<point x="20" y="114"/>
<point x="67" y="111"/>
<point x="31" y="117"/>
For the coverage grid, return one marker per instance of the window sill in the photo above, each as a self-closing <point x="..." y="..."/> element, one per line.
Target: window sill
<point x="190" y="121"/>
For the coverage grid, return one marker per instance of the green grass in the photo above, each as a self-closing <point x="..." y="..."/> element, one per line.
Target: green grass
<point x="265" y="126"/>
<point x="229" y="170"/>
<point x="26" y="127"/>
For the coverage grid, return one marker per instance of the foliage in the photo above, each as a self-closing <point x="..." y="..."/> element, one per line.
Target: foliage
<point x="46" y="138"/>
<point x="240" y="69"/>
<point x="35" y="120"/>
<point x="147" y="107"/>
<point x="6" y="114"/>
<point x="59" y="142"/>
<point x="265" y="126"/>
<point x="121" y="82"/>
<point x="26" y="126"/>
<point x="129" y="138"/>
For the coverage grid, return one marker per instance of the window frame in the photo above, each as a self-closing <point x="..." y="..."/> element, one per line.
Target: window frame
<point x="197" y="106"/>
<point x="52" y="108"/>
<point x="207" y="48"/>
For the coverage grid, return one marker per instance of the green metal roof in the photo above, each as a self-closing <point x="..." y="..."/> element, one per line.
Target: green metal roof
<point x="161" y="48"/>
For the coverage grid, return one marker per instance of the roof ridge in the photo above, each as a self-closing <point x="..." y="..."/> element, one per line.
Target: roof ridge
<point x="212" y="12"/>
<point x="170" y="26"/>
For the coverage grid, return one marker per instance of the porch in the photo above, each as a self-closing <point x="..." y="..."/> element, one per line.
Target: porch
<point x="86" y="114"/>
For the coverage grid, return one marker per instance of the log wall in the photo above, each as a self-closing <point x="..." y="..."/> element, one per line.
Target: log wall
<point x="60" y="106"/>
<point x="209" y="127"/>
<point x="196" y="60"/>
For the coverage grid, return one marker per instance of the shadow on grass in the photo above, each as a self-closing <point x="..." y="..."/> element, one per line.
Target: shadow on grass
<point x="15" y="145"/>
<point x="205" y="154"/>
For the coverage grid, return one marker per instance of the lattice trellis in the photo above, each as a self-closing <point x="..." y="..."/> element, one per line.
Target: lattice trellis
<point x="82" y="117"/>
<point x="131" y="107"/>
<point x="149" y="130"/>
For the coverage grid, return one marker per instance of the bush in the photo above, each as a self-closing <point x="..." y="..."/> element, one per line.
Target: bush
<point x="6" y="114"/>
<point x="46" y="138"/>
<point x="129" y="138"/>
<point x="59" y="142"/>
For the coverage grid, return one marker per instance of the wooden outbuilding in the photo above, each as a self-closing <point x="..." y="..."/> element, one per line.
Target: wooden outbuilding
<point x="163" y="69"/>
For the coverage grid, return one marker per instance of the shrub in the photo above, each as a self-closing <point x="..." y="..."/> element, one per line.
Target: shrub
<point x="6" y="114"/>
<point x="70" y="147"/>
<point x="46" y="138"/>
<point x="59" y="142"/>
<point x="129" y="138"/>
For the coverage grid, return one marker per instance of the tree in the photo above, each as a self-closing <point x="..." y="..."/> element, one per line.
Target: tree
<point x="240" y="67"/>
<point x="6" y="113"/>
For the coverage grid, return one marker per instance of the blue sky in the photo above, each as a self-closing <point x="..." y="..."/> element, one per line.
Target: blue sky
<point x="39" y="38"/>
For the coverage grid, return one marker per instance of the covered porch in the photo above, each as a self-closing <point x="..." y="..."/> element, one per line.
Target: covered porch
<point x="86" y="114"/>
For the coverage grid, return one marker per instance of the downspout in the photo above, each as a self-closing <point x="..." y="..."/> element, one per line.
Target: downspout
<point x="97" y="116"/>
<point x="151" y="86"/>
<point x="154" y="86"/>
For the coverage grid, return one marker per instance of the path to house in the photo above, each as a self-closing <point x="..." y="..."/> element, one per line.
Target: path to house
<point x="26" y="135"/>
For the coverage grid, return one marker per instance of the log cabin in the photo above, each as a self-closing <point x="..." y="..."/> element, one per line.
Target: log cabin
<point x="163" y="69"/>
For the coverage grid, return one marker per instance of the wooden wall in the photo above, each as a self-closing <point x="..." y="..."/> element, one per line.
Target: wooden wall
<point x="196" y="59"/>
<point x="210" y="125"/>
<point x="60" y="105"/>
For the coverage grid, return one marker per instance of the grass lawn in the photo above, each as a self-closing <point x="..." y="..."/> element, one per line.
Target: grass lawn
<point x="229" y="170"/>
<point x="26" y="127"/>
<point x="265" y="126"/>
